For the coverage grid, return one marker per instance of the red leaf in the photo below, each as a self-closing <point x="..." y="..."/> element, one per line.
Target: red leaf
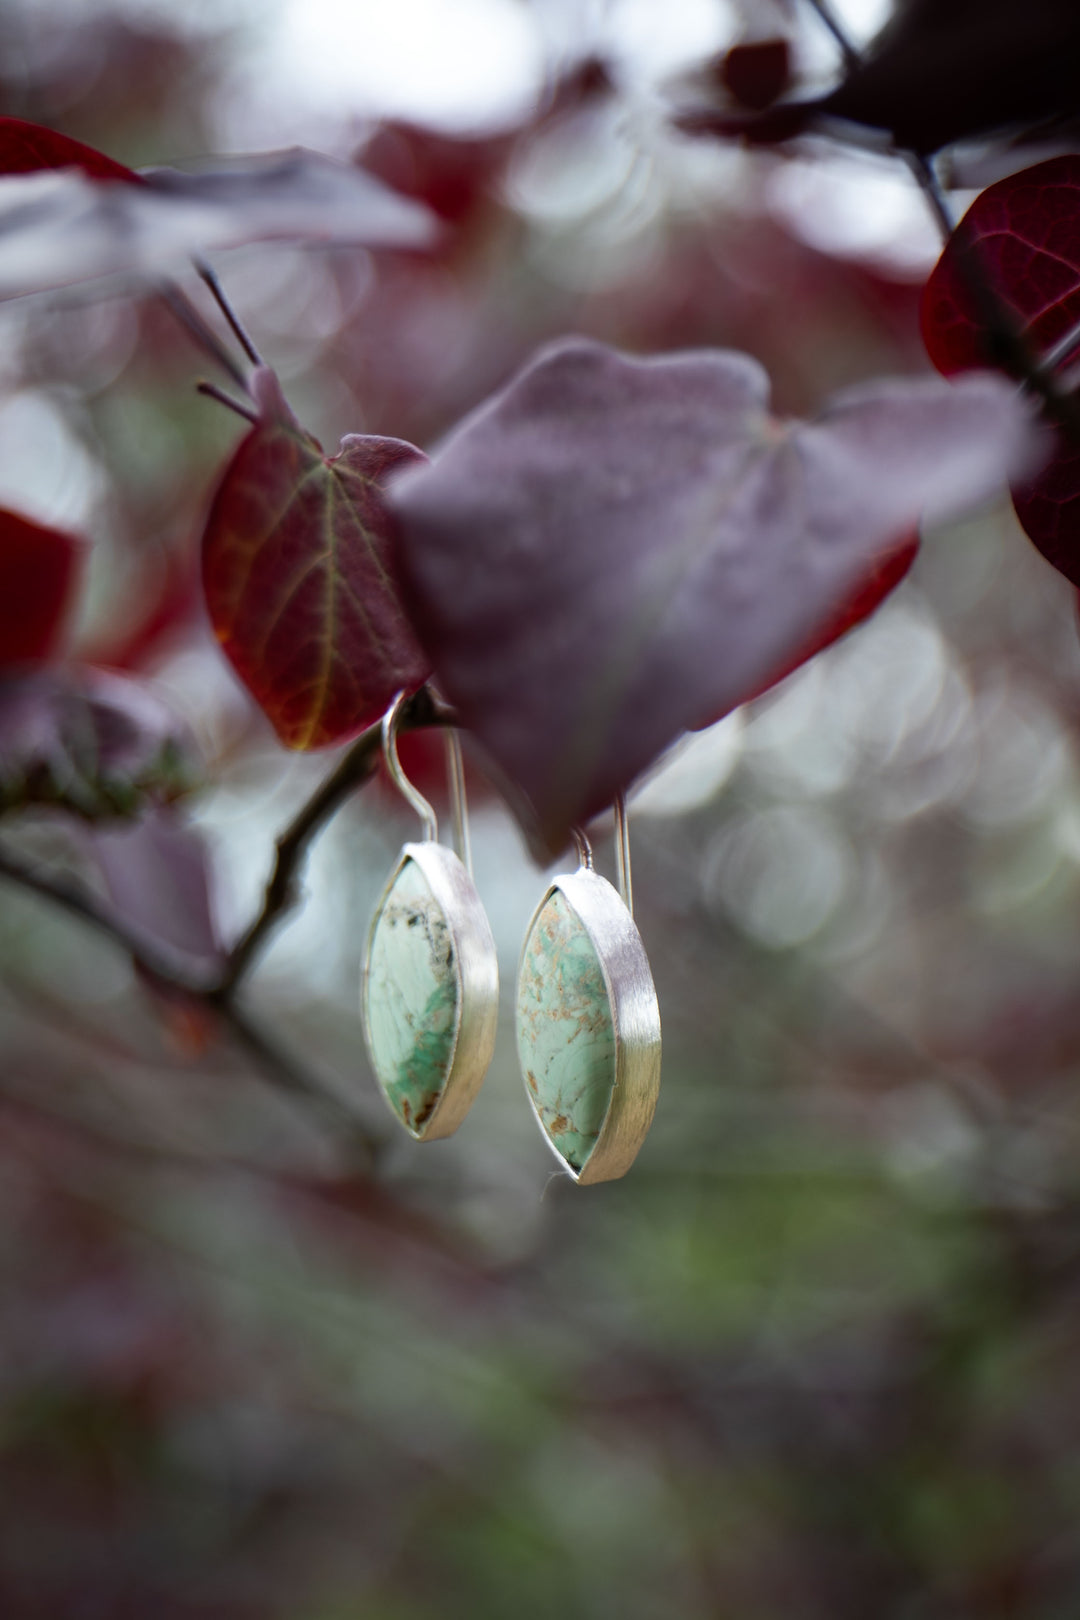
<point x="613" y="551"/>
<point x="298" y="573"/>
<point x="38" y="571"/>
<point x="24" y="148"/>
<point x="1026" y="233"/>
<point x="1049" y="511"/>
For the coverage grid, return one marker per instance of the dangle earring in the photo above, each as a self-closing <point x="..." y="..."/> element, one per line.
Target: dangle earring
<point x="430" y="985"/>
<point x="588" y="1023"/>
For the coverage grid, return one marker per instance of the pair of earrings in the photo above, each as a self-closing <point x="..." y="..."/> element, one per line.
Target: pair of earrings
<point x="588" y="1024"/>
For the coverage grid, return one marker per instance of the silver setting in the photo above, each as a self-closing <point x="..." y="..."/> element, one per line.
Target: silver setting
<point x="635" y="1017"/>
<point x="449" y="878"/>
<point x="477" y="972"/>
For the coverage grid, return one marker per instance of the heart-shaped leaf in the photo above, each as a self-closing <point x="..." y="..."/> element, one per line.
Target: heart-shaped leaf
<point x="939" y="71"/>
<point x="59" y="227"/>
<point x="1024" y="236"/>
<point x="38" y="570"/>
<point x="298" y="571"/>
<point x="944" y="69"/>
<point x="89" y="741"/>
<point x="614" y="550"/>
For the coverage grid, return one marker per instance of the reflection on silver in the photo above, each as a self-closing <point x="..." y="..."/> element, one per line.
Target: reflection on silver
<point x="633" y="1007"/>
<point x="472" y="946"/>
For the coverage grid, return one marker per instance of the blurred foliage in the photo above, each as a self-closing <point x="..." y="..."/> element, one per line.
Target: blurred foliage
<point x="817" y="1356"/>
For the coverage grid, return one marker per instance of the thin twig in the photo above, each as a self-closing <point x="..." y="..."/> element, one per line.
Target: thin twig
<point x="210" y="277"/>
<point x="356" y="766"/>
<point x="216" y="987"/>
<point x="848" y="51"/>
<point x="178" y="302"/>
<point x="212" y="391"/>
<point x="155" y="959"/>
<point x="173" y="975"/>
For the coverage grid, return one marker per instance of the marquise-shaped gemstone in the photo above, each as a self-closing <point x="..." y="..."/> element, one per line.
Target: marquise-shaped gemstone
<point x="566" y="1036"/>
<point x="413" y="1002"/>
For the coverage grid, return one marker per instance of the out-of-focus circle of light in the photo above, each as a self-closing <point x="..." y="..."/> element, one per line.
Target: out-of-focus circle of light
<point x="474" y="63"/>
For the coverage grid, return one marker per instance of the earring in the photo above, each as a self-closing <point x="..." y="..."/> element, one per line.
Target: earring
<point x="430" y="984"/>
<point x="588" y="1023"/>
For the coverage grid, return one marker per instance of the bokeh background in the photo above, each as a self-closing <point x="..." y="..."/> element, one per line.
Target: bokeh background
<point x="818" y="1356"/>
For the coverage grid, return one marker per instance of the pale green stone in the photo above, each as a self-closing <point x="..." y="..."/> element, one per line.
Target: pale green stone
<point x="412" y="997"/>
<point x="566" y="1039"/>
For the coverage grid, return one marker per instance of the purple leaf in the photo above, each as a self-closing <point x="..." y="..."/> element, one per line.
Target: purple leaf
<point x="91" y="742"/>
<point x="158" y="877"/>
<point x="939" y="71"/>
<point x="62" y="226"/>
<point x="614" y="550"/>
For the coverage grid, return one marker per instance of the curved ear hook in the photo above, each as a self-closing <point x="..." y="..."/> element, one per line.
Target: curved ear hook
<point x="584" y="849"/>
<point x="390" y="724"/>
<point x="622" y="851"/>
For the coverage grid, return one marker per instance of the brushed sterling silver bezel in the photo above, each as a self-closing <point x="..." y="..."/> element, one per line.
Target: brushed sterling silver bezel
<point x="477" y="970"/>
<point x="635" y="1017"/>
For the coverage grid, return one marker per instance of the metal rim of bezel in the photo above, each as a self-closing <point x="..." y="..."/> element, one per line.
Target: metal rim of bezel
<point x="477" y="971"/>
<point x="635" y="1018"/>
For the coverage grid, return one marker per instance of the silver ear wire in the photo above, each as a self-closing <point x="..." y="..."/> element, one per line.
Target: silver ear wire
<point x="430" y="982"/>
<point x="584" y="849"/>
<point x="588" y="1023"/>
<point x="459" y="810"/>
<point x="622" y="853"/>
<point x="391" y="723"/>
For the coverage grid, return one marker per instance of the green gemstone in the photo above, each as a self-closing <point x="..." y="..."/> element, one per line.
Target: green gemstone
<point x="413" y="997"/>
<point x="566" y="1038"/>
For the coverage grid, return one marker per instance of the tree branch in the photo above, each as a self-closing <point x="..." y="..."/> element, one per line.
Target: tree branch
<point x="216" y="988"/>
<point x="357" y="765"/>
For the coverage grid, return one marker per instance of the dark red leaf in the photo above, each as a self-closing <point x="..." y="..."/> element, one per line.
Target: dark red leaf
<point x="38" y="571"/>
<point x="757" y="72"/>
<point x="940" y="71"/>
<point x="89" y="741"/>
<point x="945" y="69"/>
<point x="612" y="550"/>
<point x="298" y="571"/>
<point x="1049" y="511"/>
<point x="1025" y="232"/>
<point x="26" y="147"/>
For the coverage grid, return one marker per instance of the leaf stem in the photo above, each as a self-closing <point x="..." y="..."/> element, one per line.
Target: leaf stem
<point x="212" y="391"/>
<point x="239" y="331"/>
<point x="178" y="302"/>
